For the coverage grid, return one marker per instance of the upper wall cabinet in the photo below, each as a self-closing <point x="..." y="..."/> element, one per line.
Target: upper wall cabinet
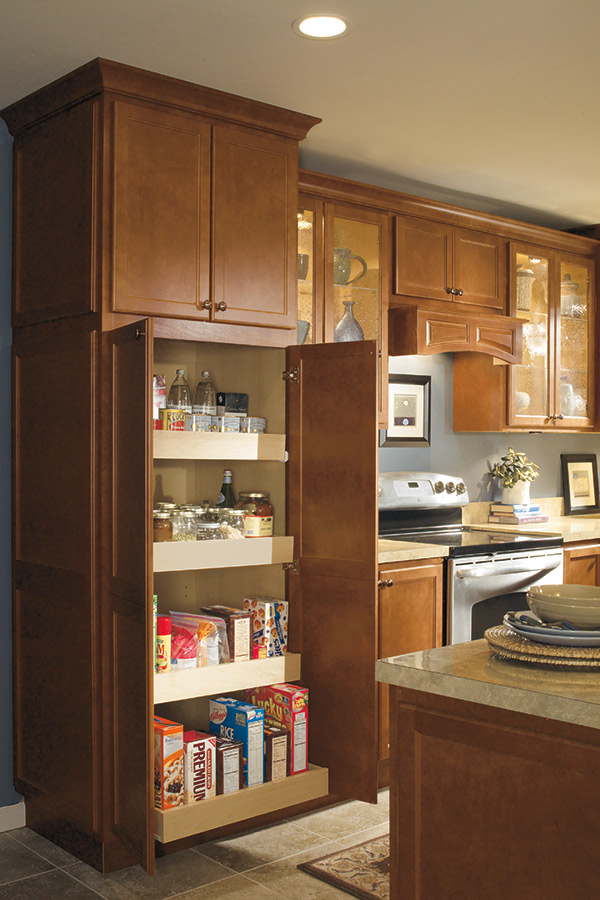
<point x="146" y="195"/>
<point x="437" y="261"/>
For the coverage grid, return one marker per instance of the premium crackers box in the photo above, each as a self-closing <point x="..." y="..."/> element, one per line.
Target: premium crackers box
<point x="239" y="721"/>
<point x="238" y="623"/>
<point x="199" y="765"/>
<point x="269" y="623"/>
<point x="230" y="766"/>
<point x="277" y="753"/>
<point x="168" y="764"/>
<point x="286" y="705"/>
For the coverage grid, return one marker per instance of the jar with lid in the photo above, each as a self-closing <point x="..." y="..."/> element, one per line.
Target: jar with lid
<point x="184" y="525"/>
<point x="209" y="531"/>
<point x="232" y="523"/>
<point x="162" y="525"/>
<point x="209" y="514"/>
<point x="258" y="514"/>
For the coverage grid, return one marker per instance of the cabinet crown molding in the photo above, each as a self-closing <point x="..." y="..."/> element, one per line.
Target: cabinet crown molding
<point x="103" y="75"/>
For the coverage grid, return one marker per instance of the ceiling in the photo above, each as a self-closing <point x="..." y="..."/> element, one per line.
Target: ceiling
<point x="489" y="105"/>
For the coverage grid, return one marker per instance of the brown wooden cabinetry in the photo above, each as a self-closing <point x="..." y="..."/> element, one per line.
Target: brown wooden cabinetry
<point x="437" y="261"/>
<point x="582" y="563"/>
<point x="410" y="619"/>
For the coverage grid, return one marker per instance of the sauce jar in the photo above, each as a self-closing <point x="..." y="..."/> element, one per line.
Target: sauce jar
<point x="258" y="514"/>
<point x="162" y="526"/>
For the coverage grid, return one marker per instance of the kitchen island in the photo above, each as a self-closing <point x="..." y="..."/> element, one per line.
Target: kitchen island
<point x="495" y="777"/>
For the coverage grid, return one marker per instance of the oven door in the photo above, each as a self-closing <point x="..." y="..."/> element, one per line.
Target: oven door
<point x="482" y="589"/>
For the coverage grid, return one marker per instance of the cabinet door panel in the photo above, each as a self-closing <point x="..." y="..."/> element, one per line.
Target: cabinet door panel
<point x="410" y="619"/>
<point x="582" y="565"/>
<point x="332" y="514"/>
<point x="161" y="213"/>
<point x="423" y="258"/>
<point x="127" y="621"/>
<point x="254" y="228"/>
<point x="480" y="269"/>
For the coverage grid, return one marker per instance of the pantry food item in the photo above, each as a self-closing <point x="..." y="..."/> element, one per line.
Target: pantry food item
<point x="162" y="526"/>
<point x="230" y="765"/>
<point x="168" y="764"/>
<point x="163" y="643"/>
<point x="184" y="525"/>
<point x="253" y="425"/>
<point x="258" y="521"/>
<point x="286" y="705"/>
<point x="232" y="404"/>
<point x="236" y="720"/>
<point x="205" y="400"/>
<point x="225" y="423"/>
<point x="239" y="630"/>
<point x="198" y="422"/>
<point x="269" y="623"/>
<point x="180" y="395"/>
<point x="208" y="634"/>
<point x="159" y="396"/>
<point x="171" y="419"/>
<point x="199" y="766"/>
<point x="226" y="498"/>
<point x="277" y="752"/>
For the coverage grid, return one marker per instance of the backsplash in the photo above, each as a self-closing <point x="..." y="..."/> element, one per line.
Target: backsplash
<point x="472" y="455"/>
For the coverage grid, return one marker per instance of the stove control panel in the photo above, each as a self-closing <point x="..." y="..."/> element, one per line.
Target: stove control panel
<point x="412" y="490"/>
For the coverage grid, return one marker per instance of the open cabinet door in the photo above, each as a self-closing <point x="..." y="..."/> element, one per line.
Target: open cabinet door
<point x="127" y="591"/>
<point x="332" y="514"/>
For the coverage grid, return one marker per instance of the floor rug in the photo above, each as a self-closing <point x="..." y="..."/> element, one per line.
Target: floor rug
<point x="363" y="870"/>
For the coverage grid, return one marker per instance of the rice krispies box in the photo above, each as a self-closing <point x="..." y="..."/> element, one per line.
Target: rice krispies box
<point x="168" y="764"/>
<point x="269" y="623"/>
<point x="239" y="721"/>
<point x="286" y="705"/>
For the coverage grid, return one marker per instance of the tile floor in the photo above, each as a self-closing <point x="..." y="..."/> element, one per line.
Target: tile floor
<point x="256" y="865"/>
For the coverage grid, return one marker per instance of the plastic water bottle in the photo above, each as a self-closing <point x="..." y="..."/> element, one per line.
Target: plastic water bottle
<point x="205" y="398"/>
<point x="180" y="395"/>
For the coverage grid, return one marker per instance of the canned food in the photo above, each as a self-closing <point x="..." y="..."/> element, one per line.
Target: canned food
<point x="198" y="422"/>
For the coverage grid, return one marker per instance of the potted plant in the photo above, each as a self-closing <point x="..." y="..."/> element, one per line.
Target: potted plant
<point x="517" y="473"/>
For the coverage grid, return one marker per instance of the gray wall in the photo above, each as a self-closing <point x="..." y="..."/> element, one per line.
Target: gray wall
<point x="471" y="455"/>
<point x="7" y="792"/>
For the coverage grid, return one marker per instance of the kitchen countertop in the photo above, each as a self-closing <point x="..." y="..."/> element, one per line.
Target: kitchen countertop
<point x="399" y="551"/>
<point x="470" y="672"/>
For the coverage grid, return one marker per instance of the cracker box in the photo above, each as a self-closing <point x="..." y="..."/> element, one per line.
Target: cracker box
<point x="199" y="765"/>
<point x="286" y="705"/>
<point x="239" y="721"/>
<point x="269" y="623"/>
<point x="168" y="764"/>
<point x="230" y="766"/>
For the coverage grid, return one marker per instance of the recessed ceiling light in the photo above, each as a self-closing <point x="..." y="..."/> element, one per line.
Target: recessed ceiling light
<point x="322" y="27"/>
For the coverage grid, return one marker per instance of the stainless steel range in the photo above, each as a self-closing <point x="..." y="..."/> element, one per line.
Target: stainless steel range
<point x="488" y="572"/>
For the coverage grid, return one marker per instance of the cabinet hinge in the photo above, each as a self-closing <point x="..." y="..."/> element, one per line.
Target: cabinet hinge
<point x="292" y="375"/>
<point x="291" y="567"/>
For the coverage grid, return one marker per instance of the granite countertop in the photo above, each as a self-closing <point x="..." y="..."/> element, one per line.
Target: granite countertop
<point x="471" y="672"/>
<point x="572" y="528"/>
<point x="399" y="551"/>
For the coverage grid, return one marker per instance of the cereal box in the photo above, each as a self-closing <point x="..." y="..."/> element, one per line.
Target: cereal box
<point x="199" y="765"/>
<point x="168" y="764"/>
<point x="269" y="623"/>
<point x="239" y="721"/>
<point x="286" y="705"/>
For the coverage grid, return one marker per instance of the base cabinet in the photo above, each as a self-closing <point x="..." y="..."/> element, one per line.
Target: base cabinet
<point x="410" y="619"/>
<point x="582" y="564"/>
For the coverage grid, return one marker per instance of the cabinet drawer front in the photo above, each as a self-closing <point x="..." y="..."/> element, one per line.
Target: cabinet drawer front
<point x="161" y="212"/>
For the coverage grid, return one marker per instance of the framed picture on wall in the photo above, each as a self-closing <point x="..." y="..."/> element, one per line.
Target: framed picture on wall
<point x="580" y="483"/>
<point x="409" y="412"/>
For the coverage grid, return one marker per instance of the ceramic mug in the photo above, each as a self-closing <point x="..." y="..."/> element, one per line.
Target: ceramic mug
<point x="342" y="264"/>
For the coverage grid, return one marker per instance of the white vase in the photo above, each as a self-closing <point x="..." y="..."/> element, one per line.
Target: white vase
<point x="519" y="494"/>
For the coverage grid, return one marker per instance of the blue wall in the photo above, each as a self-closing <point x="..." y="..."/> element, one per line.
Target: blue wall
<point x="7" y="792"/>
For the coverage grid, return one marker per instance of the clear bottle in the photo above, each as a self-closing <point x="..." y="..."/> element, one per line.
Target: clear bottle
<point x="226" y="498"/>
<point x="180" y="395"/>
<point x="205" y="398"/>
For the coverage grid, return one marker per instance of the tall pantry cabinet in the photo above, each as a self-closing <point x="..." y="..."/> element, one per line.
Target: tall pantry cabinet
<point x="155" y="221"/>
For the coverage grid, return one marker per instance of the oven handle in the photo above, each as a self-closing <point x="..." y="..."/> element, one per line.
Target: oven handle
<point x="492" y="569"/>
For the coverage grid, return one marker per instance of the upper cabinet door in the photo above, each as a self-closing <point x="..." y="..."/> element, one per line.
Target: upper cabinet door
<point x="423" y="258"/>
<point x="575" y="329"/>
<point x="161" y="231"/>
<point x="480" y="269"/>
<point x="255" y="189"/>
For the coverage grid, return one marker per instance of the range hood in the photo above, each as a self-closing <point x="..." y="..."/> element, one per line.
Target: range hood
<point x="417" y="329"/>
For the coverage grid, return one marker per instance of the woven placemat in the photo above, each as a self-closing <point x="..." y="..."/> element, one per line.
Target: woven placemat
<point x="506" y="644"/>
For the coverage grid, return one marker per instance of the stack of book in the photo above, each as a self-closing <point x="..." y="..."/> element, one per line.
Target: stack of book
<point x="516" y="513"/>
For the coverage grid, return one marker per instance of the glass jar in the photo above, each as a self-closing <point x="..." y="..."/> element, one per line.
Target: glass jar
<point x="232" y="523"/>
<point x="209" y="514"/>
<point x="258" y="515"/>
<point x="162" y="526"/>
<point x="184" y="525"/>
<point x="209" y="531"/>
<point x="163" y="506"/>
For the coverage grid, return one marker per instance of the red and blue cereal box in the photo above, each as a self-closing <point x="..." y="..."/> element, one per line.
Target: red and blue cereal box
<point x="286" y="705"/>
<point x="239" y="721"/>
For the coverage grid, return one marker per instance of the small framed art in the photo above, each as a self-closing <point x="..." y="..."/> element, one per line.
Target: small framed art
<point x="409" y="412"/>
<point x="580" y="483"/>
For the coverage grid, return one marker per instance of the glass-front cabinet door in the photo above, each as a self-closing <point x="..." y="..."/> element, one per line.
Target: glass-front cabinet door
<point x="343" y="282"/>
<point x="552" y="293"/>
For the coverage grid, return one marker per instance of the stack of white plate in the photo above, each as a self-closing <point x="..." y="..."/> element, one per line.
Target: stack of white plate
<point x="564" y="614"/>
<point x="522" y="623"/>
